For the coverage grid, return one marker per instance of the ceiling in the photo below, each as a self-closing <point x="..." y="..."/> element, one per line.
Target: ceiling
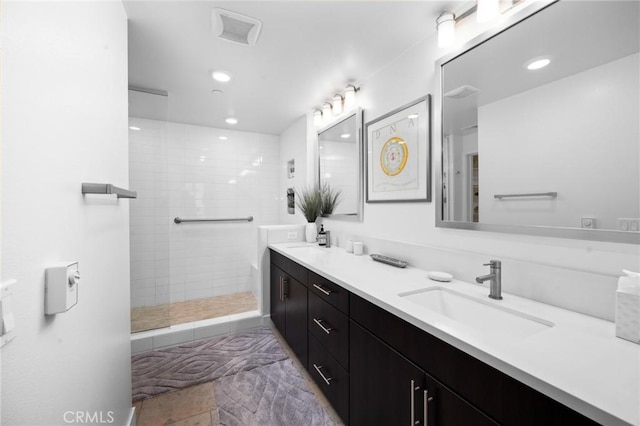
<point x="307" y="51"/>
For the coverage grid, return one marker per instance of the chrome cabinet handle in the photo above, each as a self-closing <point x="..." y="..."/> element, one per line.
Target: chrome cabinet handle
<point x="322" y="289"/>
<point x="414" y="388"/>
<point x="326" y="379"/>
<point x="426" y="401"/>
<point x="319" y="323"/>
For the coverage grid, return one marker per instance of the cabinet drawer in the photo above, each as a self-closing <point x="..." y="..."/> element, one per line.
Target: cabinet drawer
<point x="332" y="379"/>
<point x="290" y="267"/>
<point x="330" y="327"/>
<point x="332" y="293"/>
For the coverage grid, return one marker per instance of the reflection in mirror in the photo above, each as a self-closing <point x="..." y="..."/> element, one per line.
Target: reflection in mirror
<point x="540" y="124"/>
<point x="340" y="164"/>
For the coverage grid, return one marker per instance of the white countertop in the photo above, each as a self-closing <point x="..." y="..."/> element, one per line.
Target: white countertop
<point x="579" y="361"/>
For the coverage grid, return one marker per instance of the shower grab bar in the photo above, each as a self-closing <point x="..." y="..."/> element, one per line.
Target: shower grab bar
<point x="107" y="188"/>
<point x="532" y="194"/>
<point x="179" y="220"/>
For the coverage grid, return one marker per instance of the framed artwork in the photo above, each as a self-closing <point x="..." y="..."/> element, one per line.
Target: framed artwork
<point x="399" y="154"/>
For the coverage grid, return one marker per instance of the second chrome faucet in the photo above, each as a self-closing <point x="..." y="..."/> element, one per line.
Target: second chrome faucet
<point x="495" y="279"/>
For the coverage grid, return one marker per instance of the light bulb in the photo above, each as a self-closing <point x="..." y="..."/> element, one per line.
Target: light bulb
<point x="349" y="97"/>
<point x="337" y="104"/>
<point x="326" y="110"/>
<point x="317" y="118"/>
<point x="446" y="25"/>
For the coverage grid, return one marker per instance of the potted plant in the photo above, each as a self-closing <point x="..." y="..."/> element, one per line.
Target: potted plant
<point x="309" y="201"/>
<point x="330" y="199"/>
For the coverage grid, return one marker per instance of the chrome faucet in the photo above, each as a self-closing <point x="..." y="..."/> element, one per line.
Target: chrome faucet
<point x="495" y="277"/>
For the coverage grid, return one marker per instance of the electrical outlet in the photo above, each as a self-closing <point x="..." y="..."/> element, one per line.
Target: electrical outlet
<point x="292" y="235"/>
<point x="623" y="224"/>
<point x="588" y="222"/>
<point x="629" y="224"/>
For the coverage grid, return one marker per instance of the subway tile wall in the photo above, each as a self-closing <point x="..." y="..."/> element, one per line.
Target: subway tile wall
<point x="193" y="171"/>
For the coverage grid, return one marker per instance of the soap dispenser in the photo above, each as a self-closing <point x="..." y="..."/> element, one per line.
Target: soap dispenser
<point x="322" y="236"/>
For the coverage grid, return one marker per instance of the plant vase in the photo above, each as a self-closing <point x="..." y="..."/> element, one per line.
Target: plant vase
<point x="311" y="232"/>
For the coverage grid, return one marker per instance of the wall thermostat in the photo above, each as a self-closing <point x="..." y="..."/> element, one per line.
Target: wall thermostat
<point x="61" y="287"/>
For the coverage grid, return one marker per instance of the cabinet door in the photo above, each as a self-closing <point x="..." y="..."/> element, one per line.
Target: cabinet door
<point x="445" y="408"/>
<point x="277" y="299"/>
<point x="385" y="387"/>
<point x="296" y="318"/>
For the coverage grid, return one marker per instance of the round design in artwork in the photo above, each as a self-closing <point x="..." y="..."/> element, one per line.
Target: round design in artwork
<point x="393" y="156"/>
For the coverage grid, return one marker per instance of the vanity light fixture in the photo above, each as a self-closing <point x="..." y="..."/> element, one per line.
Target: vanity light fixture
<point x="337" y="105"/>
<point x="538" y="63"/>
<point x="317" y="118"/>
<point x="487" y="10"/>
<point x="231" y="120"/>
<point x="446" y="26"/>
<point x="221" y="76"/>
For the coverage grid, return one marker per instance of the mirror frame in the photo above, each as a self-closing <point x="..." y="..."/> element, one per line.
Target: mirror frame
<point x="357" y="112"/>
<point x="537" y="230"/>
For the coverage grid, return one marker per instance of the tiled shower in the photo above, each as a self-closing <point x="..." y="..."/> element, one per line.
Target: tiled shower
<point x="197" y="270"/>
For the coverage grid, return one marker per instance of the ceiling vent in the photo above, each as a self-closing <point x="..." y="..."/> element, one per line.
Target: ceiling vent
<point x="235" y="27"/>
<point x="461" y="92"/>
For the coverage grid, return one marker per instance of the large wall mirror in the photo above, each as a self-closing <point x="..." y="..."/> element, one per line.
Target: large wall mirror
<point x="539" y="125"/>
<point x="340" y="164"/>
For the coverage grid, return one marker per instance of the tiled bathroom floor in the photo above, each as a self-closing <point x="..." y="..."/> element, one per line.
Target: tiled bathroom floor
<point x="152" y="317"/>
<point x="196" y="405"/>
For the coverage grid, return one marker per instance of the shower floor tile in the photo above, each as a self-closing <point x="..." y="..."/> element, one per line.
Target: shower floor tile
<point x="151" y="317"/>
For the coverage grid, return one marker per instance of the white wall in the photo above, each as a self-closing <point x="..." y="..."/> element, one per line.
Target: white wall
<point x="594" y="168"/>
<point x="64" y="122"/>
<point x="293" y="145"/>
<point x="187" y="171"/>
<point x="408" y="77"/>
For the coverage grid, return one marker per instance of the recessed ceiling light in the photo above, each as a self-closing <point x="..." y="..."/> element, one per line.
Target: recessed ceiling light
<point x="231" y="120"/>
<point x="538" y="63"/>
<point x="134" y="128"/>
<point x="221" y="76"/>
<point x="412" y="116"/>
<point x="223" y="138"/>
<point x="345" y="135"/>
<point x="202" y="158"/>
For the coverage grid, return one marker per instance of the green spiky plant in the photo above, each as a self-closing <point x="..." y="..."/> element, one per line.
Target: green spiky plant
<point x="331" y="197"/>
<point x="309" y="201"/>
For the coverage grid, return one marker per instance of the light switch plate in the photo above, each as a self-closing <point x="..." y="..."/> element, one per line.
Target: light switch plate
<point x="588" y="222"/>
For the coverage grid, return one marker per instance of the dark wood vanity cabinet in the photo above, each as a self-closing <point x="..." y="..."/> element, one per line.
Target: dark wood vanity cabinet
<point x="375" y="367"/>
<point x="288" y="294"/>
<point x="387" y="388"/>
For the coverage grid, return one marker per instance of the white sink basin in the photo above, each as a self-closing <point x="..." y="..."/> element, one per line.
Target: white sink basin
<point x="483" y="316"/>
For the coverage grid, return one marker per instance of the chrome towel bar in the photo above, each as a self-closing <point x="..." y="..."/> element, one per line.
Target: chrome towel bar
<point x="235" y="219"/>
<point x="107" y="188"/>
<point x="532" y="194"/>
